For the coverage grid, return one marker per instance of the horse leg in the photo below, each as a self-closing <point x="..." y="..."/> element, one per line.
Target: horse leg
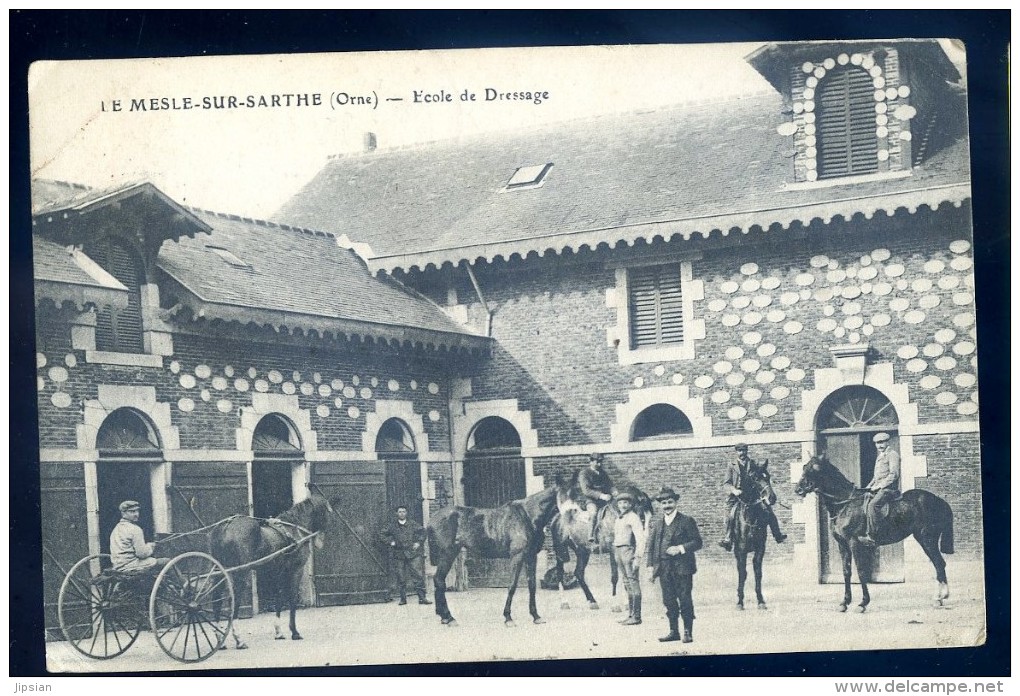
<point x="756" y="563"/>
<point x="930" y="544"/>
<point x="741" y="558"/>
<point x="278" y="608"/>
<point x="614" y="579"/>
<point x="844" y="554"/>
<point x="439" y="581"/>
<point x="518" y="563"/>
<point x="579" y="568"/>
<point x="531" y="563"/>
<point x="863" y="560"/>
<point x="293" y="598"/>
<point x="243" y="581"/>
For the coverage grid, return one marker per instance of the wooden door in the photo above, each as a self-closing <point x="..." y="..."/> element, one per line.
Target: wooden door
<point x="206" y="492"/>
<point x="350" y="568"/>
<point x="489" y="482"/>
<point x="64" y="532"/>
<point x="403" y="486"/>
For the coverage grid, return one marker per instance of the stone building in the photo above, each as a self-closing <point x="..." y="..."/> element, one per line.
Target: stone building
<point x="455" y="322"/>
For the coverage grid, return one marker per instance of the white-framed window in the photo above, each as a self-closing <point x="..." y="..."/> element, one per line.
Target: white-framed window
<point x="847" y="139"/>
<point x="655" y="312"/>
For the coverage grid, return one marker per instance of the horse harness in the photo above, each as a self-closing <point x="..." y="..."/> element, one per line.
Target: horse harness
<point x="292" y="533"/>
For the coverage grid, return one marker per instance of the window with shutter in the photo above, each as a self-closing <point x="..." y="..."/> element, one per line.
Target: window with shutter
<point x="847" y="141"/>
<point x="656" y="306"/>
<point x="120" y="330"/>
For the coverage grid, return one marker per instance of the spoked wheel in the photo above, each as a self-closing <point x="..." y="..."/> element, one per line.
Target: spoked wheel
<point x="192" y="607"/>
<point x="100" y="613"/>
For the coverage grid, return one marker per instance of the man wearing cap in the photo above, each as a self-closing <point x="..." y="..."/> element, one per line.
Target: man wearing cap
<point x="128" y="549"/>
<point x="629" y="547"/>
<point x="406" y="541"/>
<point x="673" y="539"/>
<point x="883" y="483"/>
<point x="597" y="488"/>
<point x="739" y="474"/>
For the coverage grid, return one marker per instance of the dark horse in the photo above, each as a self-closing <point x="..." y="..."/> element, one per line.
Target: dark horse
<point x="918" y="512"/>
<point x="244" y="541"/>
<point x="750" y="531"/>
<point x="515" y="530"/>
<point x="570" y="531"/>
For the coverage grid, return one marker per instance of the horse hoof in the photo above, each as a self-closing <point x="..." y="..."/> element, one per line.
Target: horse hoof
<point x="564" y="605"/>
<point x="740" y="606"/>
<point x="538" y="620"/>
<point x="861" y="609"/>
<point x="509" y="623"/>
<point x="617" y="609"/>
<point x="938" y="603"/>
<point x="296" y="636"/>
<point x="594" y="606"/>
<point x="241" y="646"/>
<point x="280" y="638"/>
<point x="762" y="606"/>
<point x="842" y="607"/>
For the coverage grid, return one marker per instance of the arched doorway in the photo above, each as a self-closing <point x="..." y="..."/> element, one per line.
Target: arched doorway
<point x="129" y="455"/>
<point x="846" y="422"/>
<point x="276" y="453"/>
<point x="395" y="446"/>
<point x="494" y="474"/>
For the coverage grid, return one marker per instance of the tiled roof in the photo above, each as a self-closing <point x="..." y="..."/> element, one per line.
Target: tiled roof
<point x="65" y="275"/>
<point x="300" y="279"/>
<point x="688" y="169"/>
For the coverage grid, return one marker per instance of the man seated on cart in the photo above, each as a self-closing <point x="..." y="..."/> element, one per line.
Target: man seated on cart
<point x="128" y="550"/>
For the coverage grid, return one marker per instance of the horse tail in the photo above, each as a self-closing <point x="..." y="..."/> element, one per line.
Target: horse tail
<point x="442" y="534"/>
<point x="946" y="541"/>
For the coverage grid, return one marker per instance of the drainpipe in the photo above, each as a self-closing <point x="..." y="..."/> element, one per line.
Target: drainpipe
<point x="481" y="298"/>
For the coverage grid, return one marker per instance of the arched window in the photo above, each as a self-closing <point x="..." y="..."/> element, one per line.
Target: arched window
<point x="120" y="330"/>
<point x="847" y="139"/>
<point x="857" y="409"/>
<point x="125" y="434"/>
<point x="494" y="433"/>
<point x="661" y="421"/>
<point x="394" y="438"/>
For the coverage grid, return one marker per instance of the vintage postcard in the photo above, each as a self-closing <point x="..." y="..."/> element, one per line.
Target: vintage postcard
<point x="337" y="351"/>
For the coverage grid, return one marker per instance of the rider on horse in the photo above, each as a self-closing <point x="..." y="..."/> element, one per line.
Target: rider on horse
<point x="883" y="484"/>
<point x="739" y="475"/>
<point x="597" y="489"/>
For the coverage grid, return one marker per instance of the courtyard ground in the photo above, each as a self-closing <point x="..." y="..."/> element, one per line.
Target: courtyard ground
<point x="802" y="616"/>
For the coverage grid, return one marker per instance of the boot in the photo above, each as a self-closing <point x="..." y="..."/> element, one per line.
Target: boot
<point x="403" y="600"/>
<point x="635" y="617"/>
<point x="726" y="543"/>
<point x="674" y="632"/>
<point x="422" y="599"/>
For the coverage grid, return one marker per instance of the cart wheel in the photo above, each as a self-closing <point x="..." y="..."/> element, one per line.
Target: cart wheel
<point x="191" y="607"/>
<point x="100" y="614"/>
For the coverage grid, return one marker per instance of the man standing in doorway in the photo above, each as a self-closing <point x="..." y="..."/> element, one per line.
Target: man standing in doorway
<point x="128" y="549"/>
<point x="406" y="541"/>
<point x="883" y="484"/>
<point x="672" y="542"/>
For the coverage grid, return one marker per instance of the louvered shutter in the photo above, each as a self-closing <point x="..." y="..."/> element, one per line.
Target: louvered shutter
<point x="656" y="306"/>
<point x="120" y="330"/>
<point x="847" y="143"/>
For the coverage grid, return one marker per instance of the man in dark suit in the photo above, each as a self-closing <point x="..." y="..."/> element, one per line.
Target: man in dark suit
<point x="672" y="542"/>
<point x="406" y="540"/>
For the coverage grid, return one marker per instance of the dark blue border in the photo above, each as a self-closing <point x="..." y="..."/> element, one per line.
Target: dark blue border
<point x="37" y="35"/>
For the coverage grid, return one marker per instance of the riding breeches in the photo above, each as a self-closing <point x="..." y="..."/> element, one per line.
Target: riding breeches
<point x="875" y="503"/>
<point x="140" y="564"/>
<point x="629" y="569"/>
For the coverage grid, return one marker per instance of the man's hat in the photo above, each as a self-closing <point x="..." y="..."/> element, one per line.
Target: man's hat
<point x="740" y="447"/>
<point x="625" y="495"/>
<point x="881" y="437"/>
<point x="129" y="505"/>
<point x="595" y="457"/>
<point x="666" y="492"/>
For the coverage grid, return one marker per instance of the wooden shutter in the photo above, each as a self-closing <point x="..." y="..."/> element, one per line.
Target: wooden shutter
<point x="120" y="330"/>
<point x="847" y="143"/>
<point x="656" y="306"/>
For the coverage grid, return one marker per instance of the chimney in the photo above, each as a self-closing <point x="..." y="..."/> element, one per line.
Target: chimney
<point x="370" y="142"/>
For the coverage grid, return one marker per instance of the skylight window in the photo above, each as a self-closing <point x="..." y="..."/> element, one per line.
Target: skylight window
<point x="228" y="256"/>
<point x="529" y="177"/>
